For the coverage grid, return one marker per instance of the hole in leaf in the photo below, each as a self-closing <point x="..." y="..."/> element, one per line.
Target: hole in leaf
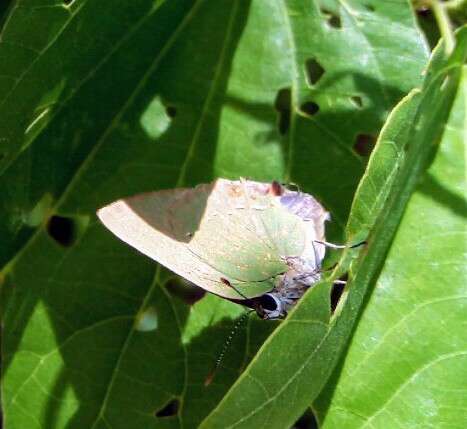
<point x="364" y="144"/>
<point x="147" y="320"/>
<point x="171" y="111"/>
<point x="309" y="108"/>
<point x="170" y="409"/>
<point x="357" y="101"/>
<point x="306" y="421"/>
<point x="336" y="292"/>
<point x="184" y="290"/>
<point x="283" y="106"/>
<point x="332" y="18"/>
<point x="62" y="230"/>
<point x="314" y="71"/>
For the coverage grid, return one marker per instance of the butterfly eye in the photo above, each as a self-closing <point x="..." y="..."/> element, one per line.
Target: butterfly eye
<point x="268" y="302"/>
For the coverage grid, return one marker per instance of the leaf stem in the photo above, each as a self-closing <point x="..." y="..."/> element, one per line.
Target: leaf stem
<point x="444" y="23"/>
<point x="454" y="5"/>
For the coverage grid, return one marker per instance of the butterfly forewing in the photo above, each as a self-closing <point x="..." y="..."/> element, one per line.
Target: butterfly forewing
<point x="212" y="232"/>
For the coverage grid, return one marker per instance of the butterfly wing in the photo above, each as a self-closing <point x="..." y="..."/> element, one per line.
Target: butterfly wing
<point x="231" y="230"/>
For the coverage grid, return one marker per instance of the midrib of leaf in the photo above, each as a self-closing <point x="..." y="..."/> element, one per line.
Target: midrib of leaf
<point x="44" y="50"/>
<point x="409" y="380"/>
<point x="211" y="92"/>
<point x="358" y="29"/>
<point x="156" y="280"/>
<point x="92" y="72"/>
<point x="293" y="90"/>
<point x="293" y="111"/>
<point x="43" y="358"/>
<point x="396" y="326"/>
<point x="85" y="164"/>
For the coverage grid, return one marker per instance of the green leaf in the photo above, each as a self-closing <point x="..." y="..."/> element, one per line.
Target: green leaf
<point x="407" y="362"/>
<point x="301" y="366"/>
<point x="155" y="95"/>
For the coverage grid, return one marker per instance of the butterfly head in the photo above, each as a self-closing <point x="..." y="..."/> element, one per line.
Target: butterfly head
<point x="270" y="306"/>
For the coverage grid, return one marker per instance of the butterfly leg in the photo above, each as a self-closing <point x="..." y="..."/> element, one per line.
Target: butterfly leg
<point x="339" y="246"/>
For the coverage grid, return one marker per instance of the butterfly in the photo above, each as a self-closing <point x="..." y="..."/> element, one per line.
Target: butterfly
<point x="256" y="244"/>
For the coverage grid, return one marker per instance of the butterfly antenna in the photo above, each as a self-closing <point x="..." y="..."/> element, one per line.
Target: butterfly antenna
<point x="227" y="343"/>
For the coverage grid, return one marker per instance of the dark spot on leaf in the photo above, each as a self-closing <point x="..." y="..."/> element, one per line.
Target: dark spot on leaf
<point x="336" y="292"/>
<point x="364" y="144"/>
<point x="309" y="108"/>
<point x="332" y="18"/>
<point x="314" y="71"/>
<point x="283" y="106"/>
<point x="62" y="230"/>
<point x="170" y="409"/>
<point x="171" y="111"/>
<point x="369" y="7"/>
<point x="306" y="421"/>
<point x="357" y="101"/>
<point x="184" y="290"/>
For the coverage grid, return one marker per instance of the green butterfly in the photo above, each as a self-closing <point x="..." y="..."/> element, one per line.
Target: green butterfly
<point x="258" y="244"/>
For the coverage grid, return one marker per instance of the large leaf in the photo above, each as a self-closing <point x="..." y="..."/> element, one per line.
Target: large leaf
<point x="407" y="363"/>
<point x="296" y="360"/>
<point x="154" y="95"/>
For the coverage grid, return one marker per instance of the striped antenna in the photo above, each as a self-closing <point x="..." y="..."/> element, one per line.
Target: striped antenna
<point x="227" y="343"/>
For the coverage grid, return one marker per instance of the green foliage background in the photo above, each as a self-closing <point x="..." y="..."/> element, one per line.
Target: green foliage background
<point x="106" y="99"/>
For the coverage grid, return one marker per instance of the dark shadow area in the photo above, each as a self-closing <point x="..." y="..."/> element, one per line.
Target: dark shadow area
<point x="306" y="421"/>
<point x="364" y="144"/>
<point x="427" y="23"/>
<point x="169" y="410"/>
<point x="4" y="9"/>
<point x="188" y="292"/>
<point x="336" y="292"/>
<point x="431" y="187"/>
<point x="176" y="215"/>
<point x="283" y="106"/>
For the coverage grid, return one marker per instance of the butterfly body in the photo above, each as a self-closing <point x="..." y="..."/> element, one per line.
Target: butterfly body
<point x="243" y="240"/>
